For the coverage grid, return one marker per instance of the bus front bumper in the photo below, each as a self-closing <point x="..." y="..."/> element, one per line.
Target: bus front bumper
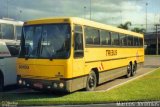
<point x="39" y="84"/>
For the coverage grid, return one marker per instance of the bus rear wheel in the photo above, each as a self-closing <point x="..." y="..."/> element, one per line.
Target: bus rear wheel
<point x="134" y="69"/>
<point x="91" y="81"/>
<point x="129" y="70"/>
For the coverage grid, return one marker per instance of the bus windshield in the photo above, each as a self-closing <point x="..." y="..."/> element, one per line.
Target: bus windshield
<point x="46" y="41"/>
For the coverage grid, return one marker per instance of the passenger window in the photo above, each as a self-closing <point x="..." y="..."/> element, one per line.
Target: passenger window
<point x="7" y="31"/>
<point x="123" y="39"/>
<point x="130" y="40"/>
<point x="114" y="38"/>
<point x="141" y="41"/>
<point x="105" y="37"/>
<point x="136" y="41"/>
<point x="78" y="43"/>
<point x="92" y="36"/>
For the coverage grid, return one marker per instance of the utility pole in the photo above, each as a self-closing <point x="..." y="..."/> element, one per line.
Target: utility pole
<point x="20" y="15"/>
<point x="84" y="12"/>
<point x="146" y="16"/>
<point x="90" y="9"/>
<point x="121" y="16"/>
<point x="157" y="39"/>
<point x="7" y="10"/>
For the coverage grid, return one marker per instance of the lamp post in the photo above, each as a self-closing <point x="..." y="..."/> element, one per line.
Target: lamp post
<point x="146" y="15"/>
<point x="84" y="11"/>
<point x="90" y="8"/>
<point x="157" y="39"/>
<point x="7" y="10"/>
<point x="20" y="15"/>
<point x="121" y="16"/>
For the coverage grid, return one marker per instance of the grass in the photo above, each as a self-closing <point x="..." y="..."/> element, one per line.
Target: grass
<point x="143" y="89"/>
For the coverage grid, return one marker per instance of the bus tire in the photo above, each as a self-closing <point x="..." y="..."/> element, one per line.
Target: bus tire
<point x="129" y="70"/>
<point x="134" y="69"/>
<point x="1" y="82"/>
<point x="91" y="81"/>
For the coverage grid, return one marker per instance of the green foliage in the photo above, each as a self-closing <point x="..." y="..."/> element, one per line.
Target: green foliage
<point x="128" y="24"/>
<point x="125" y="25"/>
<point x="139" y="30"/>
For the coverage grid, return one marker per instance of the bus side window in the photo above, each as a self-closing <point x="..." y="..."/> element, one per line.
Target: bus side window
<point x="78" y="44"/>
<point x="123" y="39"/>
<point x="141" y="42"/>
<point x="7" y="31"/>
<point x="114" y="39"/>
<point x="130" y="41"/>
<point x="136" y="41"/>
<point x="105" y="37"/>
<point x="92" y="36"/>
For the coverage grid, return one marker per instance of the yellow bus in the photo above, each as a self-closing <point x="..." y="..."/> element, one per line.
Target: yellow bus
<point x="68" y="54"/>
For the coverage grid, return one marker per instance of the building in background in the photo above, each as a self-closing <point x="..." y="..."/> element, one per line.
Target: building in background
<point x="150" y="39"/>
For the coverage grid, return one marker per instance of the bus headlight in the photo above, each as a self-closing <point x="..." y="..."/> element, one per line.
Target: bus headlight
<point x="20" y="82"/>
<point x="48" y="87"/>
<point x="28" y="85"/>
<point x="61" y="85"/>
<point x="24" y="83"/>
<point x="55" y="85"/>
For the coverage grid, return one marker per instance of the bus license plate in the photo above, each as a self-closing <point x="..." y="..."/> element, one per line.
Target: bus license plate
<point x="38" y="85"/>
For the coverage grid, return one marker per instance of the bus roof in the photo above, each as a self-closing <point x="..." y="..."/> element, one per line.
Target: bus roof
<point x="81" y="21"/>
<point x="14" y="22"/>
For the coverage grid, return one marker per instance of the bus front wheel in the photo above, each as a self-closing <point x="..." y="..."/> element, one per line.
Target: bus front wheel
<point x="134" y="69"/>
<point x="91" y="81"/>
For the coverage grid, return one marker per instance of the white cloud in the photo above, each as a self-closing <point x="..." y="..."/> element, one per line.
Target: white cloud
<point x="104" y="11"/>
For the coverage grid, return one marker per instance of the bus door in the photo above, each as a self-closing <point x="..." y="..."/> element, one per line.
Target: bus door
<point x="78" y="61"/>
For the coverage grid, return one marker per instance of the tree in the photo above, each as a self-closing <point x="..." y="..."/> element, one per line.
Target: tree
<point x="139" y="30"/>
<point x="128" y="24"/>
<point x="125" y="25"/>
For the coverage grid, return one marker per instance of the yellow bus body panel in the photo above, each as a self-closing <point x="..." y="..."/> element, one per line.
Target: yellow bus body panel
<point x="43" y="68"/>
<point x="100" y="58"/>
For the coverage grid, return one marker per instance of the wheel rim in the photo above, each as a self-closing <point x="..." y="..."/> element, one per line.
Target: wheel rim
<point x="91" y="82"/>
<point x="134" y="69"/>
<point x="129" y="69"/>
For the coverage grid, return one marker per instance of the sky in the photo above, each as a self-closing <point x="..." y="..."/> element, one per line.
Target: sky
<point x="112" y="12"/>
